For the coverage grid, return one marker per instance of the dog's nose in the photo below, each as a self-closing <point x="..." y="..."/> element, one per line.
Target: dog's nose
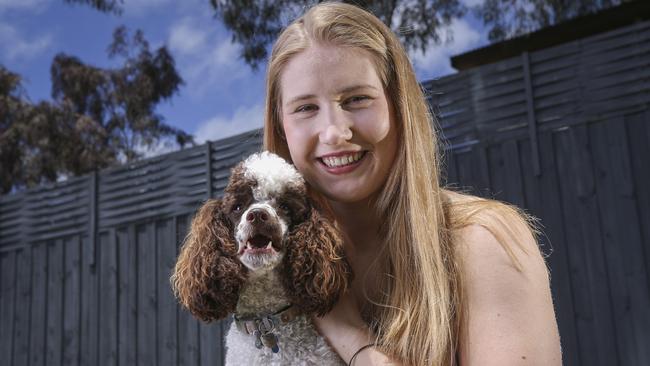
<point x="257" y="214"/>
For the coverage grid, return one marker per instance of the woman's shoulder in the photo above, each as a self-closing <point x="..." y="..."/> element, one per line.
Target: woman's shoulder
<point x="506" y="286"/>
<point x="480" y="224"/>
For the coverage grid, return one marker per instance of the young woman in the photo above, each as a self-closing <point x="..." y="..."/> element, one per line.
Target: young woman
<point x="441" y="278"/>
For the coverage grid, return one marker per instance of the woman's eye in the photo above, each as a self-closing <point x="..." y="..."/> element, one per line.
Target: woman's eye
<point x="306" y="108"/>
<point x="356" y="100"/>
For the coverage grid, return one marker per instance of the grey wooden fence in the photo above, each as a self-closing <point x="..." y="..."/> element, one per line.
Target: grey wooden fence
<point x="563" y="132"/>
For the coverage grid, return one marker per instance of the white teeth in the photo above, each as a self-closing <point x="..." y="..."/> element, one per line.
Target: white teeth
<point x="268" y="246"/>
<point x="343" y="160"/>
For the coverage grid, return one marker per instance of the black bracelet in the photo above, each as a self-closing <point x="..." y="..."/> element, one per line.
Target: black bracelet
<point x="359" y="351"/>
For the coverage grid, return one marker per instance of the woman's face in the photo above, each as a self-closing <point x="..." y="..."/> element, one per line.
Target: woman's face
<point x="338" y="122"/>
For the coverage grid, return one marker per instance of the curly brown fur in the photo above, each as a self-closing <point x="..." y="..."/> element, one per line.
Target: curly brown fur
<point x="315" y="270"/>
<point x="208" y="277"/>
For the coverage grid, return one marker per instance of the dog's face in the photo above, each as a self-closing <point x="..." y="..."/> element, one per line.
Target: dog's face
<point x="264" y="221"/>
<point x="264" y="200"/>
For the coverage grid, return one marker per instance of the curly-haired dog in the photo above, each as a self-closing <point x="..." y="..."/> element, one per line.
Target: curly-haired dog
<point x="266" y="255"/>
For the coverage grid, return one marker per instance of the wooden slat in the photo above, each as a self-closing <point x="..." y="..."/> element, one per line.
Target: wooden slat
<point x="592" y="309"/>
<point x="512" y="162"/>
<point x="7" y="305"/>
<point x="54" y="302"/>
<point x="530" y="109"/>
<point x="128" y="291"/>
<point x="505" y="172"/>
<point x="147" y="301"/>
<point x="89" y="305"/>
<point x="24" y="288"/>
<point x="166" y="315"/>
<point x="622" y="239"/>
<point x="638" y="128"/>
<point x="108" y="298"/>
<point x="473" y="169"/>
<point x="211" y="344"/>
<point x="71" y="301"/>
<point x="38" y="322"/>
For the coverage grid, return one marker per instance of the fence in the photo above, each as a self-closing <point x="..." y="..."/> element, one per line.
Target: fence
<point x="563" y="132"/>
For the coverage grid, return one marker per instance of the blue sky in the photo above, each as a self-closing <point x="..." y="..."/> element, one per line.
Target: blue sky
<point x="222" y="96"/>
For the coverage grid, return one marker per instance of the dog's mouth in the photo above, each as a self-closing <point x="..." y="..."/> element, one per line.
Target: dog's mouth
<point x="258" y="244"/>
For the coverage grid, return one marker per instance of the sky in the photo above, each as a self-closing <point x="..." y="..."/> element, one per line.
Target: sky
<point x="222" y="95"/>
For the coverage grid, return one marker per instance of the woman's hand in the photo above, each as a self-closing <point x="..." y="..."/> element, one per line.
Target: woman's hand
<point x="344" y="330"/>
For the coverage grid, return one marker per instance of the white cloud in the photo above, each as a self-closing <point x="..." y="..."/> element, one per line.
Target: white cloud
<point x="472" y="3"/>
<point x="205" y="57"/>
<point x="244" y="119"/>
<point x="21" y="48"/>
<point x="163" y="146"/>
<point x="185" y="39"/>
<point x="142" y="7"/>
<point x="436" y="61"/>
<point x="23" y="5"/>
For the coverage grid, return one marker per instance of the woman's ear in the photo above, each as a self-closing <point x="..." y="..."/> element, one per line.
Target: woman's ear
<point x="316" y="272"/>
<point x="208" y="277"/>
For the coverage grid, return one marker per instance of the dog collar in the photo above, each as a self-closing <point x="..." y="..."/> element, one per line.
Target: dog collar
<point x="262" y="326"/>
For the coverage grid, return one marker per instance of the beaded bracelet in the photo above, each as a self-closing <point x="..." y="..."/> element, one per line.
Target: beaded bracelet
<point x="359" y="351"/>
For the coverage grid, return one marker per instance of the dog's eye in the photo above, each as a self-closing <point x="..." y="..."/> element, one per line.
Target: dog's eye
<point x="237" y="207"/>
<point x="284" y="207"/>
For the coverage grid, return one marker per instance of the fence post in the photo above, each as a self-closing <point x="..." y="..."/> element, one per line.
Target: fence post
<point x="208" y="168"/>
<point x="530" y="107"/>
<point x="92" y="234"/>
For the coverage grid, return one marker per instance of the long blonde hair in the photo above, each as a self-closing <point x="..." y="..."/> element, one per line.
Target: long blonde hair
<point x="421" y="314"/>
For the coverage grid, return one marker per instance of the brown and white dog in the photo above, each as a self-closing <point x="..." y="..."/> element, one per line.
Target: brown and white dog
<point x="264" y="253"/>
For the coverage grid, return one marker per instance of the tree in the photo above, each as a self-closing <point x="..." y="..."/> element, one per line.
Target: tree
<point x="255" y="24"/>
<point x="419" y="23"/>
<point x="121" y="101"/>
<point x="12" y="108"/>
<point x="97" y="118"/>
<point x="510" y="18"/>
<point x="105" y="6"/>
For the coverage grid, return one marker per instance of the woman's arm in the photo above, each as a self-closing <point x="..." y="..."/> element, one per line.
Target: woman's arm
<point x="346" y="332"/>
<point x="510" y="320"/>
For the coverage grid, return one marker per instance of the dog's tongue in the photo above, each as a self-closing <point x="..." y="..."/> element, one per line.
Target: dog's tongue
<point x="259" y="241"/>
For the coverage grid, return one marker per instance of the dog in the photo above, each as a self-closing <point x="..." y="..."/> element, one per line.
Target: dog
<point x="266" y="254"/>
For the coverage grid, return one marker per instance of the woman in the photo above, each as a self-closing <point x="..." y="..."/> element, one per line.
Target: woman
<point x="440" y="277"/>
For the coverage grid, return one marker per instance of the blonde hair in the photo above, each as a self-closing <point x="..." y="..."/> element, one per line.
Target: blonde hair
<point x="420" y="317"/>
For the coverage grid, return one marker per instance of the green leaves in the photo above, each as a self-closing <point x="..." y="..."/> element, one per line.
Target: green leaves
<point x="97" y="118"/>
<point x="420" y="24"/>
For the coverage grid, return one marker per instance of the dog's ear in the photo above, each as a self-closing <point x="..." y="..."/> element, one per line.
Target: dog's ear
<point x="315" y="269"/>
<point x="208" y="277"/>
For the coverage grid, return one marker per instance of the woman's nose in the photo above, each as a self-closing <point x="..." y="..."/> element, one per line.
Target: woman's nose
<point x="336" y="129"/>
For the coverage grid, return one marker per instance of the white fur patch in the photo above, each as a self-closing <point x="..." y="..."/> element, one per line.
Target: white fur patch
<point x="272" y="174"/>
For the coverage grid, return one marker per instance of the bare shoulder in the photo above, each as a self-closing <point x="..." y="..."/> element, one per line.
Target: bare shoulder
<point x="510" y="318"/>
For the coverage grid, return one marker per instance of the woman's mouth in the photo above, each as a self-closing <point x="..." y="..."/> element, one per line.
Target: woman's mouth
<point x="344" y="163"/>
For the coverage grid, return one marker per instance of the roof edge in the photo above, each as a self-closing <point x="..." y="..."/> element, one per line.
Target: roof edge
<point x="581" y="27"/>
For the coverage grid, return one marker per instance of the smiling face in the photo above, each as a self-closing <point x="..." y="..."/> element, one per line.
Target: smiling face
<point x="338" y="121"/>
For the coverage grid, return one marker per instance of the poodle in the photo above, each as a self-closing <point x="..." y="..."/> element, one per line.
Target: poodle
<point x="264" y="253"/>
